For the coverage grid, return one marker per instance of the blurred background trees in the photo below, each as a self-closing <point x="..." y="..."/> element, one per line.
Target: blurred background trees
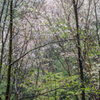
<point x="44" y="47"/>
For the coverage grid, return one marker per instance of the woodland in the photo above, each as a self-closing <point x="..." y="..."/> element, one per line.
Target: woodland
<point x="49" y="49"/>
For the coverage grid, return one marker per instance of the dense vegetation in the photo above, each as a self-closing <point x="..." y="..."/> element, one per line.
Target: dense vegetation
<point x="49" y="50"/>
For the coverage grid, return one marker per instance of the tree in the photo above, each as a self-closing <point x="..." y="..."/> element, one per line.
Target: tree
<point x="10" y="51"/>
<point x="79" y="49"/>
<point x="50" y="50"/>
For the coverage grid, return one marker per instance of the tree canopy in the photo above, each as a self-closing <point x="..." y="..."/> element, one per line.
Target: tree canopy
<point x="49" y="50"/>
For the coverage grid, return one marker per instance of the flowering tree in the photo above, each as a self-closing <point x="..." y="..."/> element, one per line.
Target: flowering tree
<point x="49" y="49"/>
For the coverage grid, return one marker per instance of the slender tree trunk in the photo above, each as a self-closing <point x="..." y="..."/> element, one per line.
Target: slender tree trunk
<point x="3" y="41"/>
<point x="10" y="53"/>
<point x="97" y="28"/>
<point x="2" y="10"/>
<point x="79" y="50"/>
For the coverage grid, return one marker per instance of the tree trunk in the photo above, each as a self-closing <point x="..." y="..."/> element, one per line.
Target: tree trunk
<point x="79" y="50"/>
<point x="10" y="52"/>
